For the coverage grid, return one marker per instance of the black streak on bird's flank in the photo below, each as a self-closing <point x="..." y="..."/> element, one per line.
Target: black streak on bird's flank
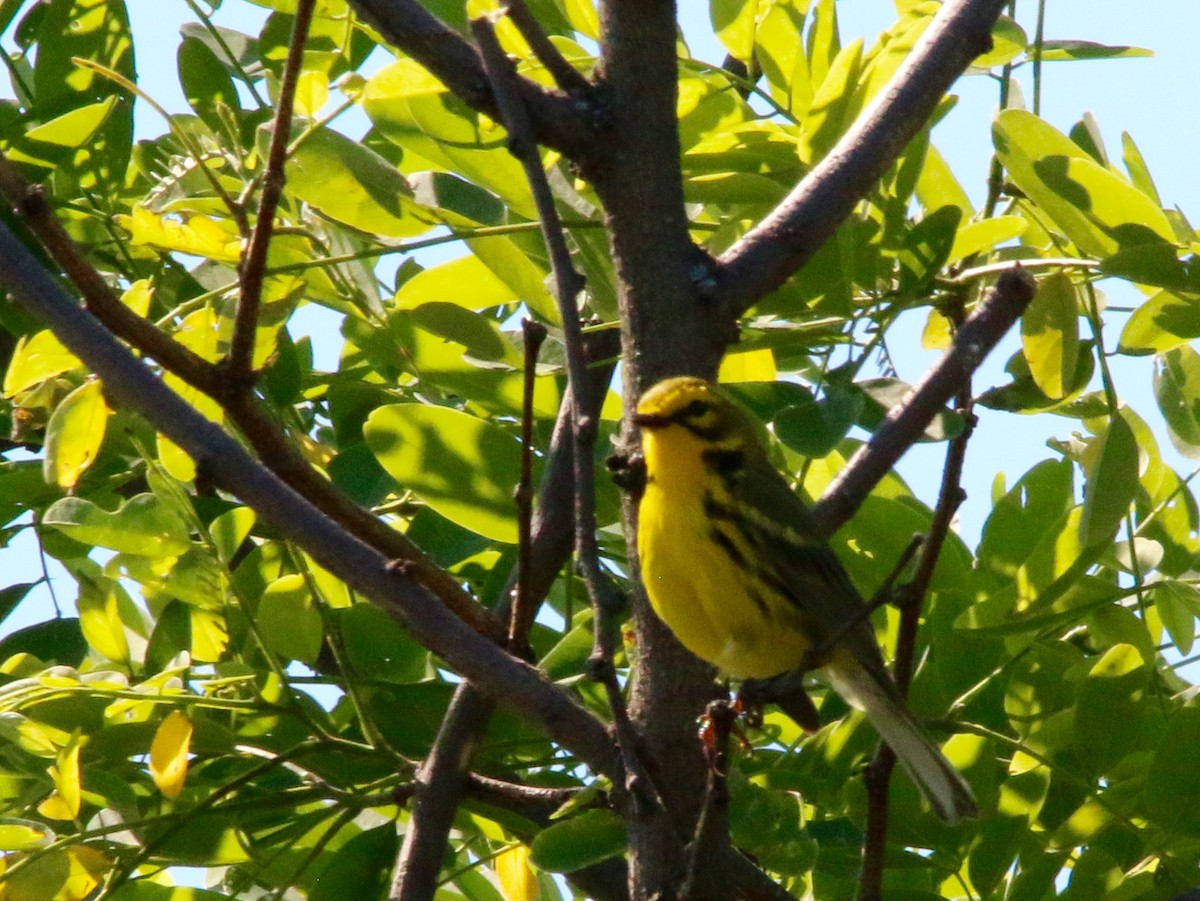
<point x="729" y="546"/>
<point x="728" y="464"/>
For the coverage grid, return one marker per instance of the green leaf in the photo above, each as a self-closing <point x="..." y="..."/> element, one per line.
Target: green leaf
<point x="205" y="82"/>
<point x="463" y="467"/>
<point x="583" y="840"/>
<point x="361" y="868"/>
<point x="12" y="595"/>
<point x="1112" y="483"/>
<point x="1050" y="335"/>
<point x="1178" y="604"/>
<point x="288" y="621"/>
<point x="1041" y="497"/>
<point x="55" y="641"/>
<point x="172" y="634"/>
<point x="735" y="22"/>
<point x="815" y="427"/>
<point x="976" y="237"/>
<point x="882" y="394"/>
<point x="413" y="109"/>
<point x="1177" y="390"/>
<point x="377" y="648"/>
<point x="1163" y="322"/>
<point x="926" y="248"/>
<point x="832" y="106"/>
<point x="98" y="31"/>
<point x="356" y="186"/>
<point x="74" y="434"/>
<point x="142" y="890"/>
<point x="143" y="525"/>
<point x="1098" y="210"/>
<point x="1172" y="792"/>
<point x="1111" y="713"/>
<point x="1072" y="50"/>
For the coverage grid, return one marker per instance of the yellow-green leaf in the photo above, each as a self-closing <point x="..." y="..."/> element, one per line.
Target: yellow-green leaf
<point x="1098" y="210"/>
<point x="143" y="525"/>
<point x="169" y="753"/>
<point x="100" y="617"/>
<point x="748" y="366"/>
<point x="352" y="184"/>
<point x="465" y="468"/>
<point x="74" y="434"/>
<point x="312" y="93"/>
<point x="976" y="237"/>
<point x="35" y="360"/>
<point x="202" y="236"/>
<point x="68" y="791"/>
<point x="1050" y="335"/>
<point x="1112" y="482"/>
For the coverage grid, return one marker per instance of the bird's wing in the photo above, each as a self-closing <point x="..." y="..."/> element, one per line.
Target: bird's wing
<point x="797" y="561"/>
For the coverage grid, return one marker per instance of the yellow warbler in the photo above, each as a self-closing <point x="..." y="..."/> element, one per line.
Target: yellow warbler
<point x="736" y="568"/>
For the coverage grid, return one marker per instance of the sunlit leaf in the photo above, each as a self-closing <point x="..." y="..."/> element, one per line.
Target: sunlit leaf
<point x="169" y="753"/>
<point x="1177" y="390"/>
<point x="75" y="433"/>
<point x="1097" y="209"/>
<point x="68" y="791"/>
<point x="1050" y="335"/>
<point x="464" y="467"/>
<point x="1111" y="484"/>
<point x="517" y="879"/>
<point x="143" y="525"/>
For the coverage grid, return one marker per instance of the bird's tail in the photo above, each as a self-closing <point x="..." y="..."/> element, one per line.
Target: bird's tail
<point x="877" y="695"/>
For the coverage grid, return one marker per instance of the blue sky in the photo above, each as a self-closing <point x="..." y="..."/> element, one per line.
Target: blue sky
<point x="1150" y="98"/>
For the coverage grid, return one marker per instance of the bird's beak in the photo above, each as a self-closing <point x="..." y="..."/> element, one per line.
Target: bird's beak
<point x="650" y="421"/>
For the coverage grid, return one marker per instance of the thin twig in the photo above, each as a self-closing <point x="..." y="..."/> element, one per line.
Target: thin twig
<point x="535" y="334"/>
<point x="568" y="284"/>
<point x="240" y="362"/>
<point x="909" y="600"/>
<point x="564" y="74"/>
<point x="440" y="784"/>
<point x="1001" y="307"/>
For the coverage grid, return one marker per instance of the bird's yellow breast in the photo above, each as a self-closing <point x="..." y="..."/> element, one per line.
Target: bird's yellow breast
<point x="694" y="584"/>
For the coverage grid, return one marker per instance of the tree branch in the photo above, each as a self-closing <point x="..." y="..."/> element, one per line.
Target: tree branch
<point x="130" y="384"/>
<point x="550" y="546"/>
<point x="564" y="74"/>
<point x="558" y="120"/>
<point x="783" y="242"/>
<point x="440" y="785"/>
<point x="568" y="286"/>
<point x="1000" y="308"/>
<point x="910" y="597"/>
<point x="270" y="442"/>
<point x="252" y="270"/>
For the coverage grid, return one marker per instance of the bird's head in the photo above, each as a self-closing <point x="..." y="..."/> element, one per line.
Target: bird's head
<point x="697" y="407"/>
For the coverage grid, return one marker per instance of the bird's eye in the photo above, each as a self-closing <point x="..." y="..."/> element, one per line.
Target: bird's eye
<point x="695" y="409"/>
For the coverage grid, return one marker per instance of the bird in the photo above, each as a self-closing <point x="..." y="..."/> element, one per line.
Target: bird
<point x="734" y="565"/>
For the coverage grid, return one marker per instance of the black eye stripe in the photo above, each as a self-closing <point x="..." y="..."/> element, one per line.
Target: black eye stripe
<point x="695" y="409"/>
